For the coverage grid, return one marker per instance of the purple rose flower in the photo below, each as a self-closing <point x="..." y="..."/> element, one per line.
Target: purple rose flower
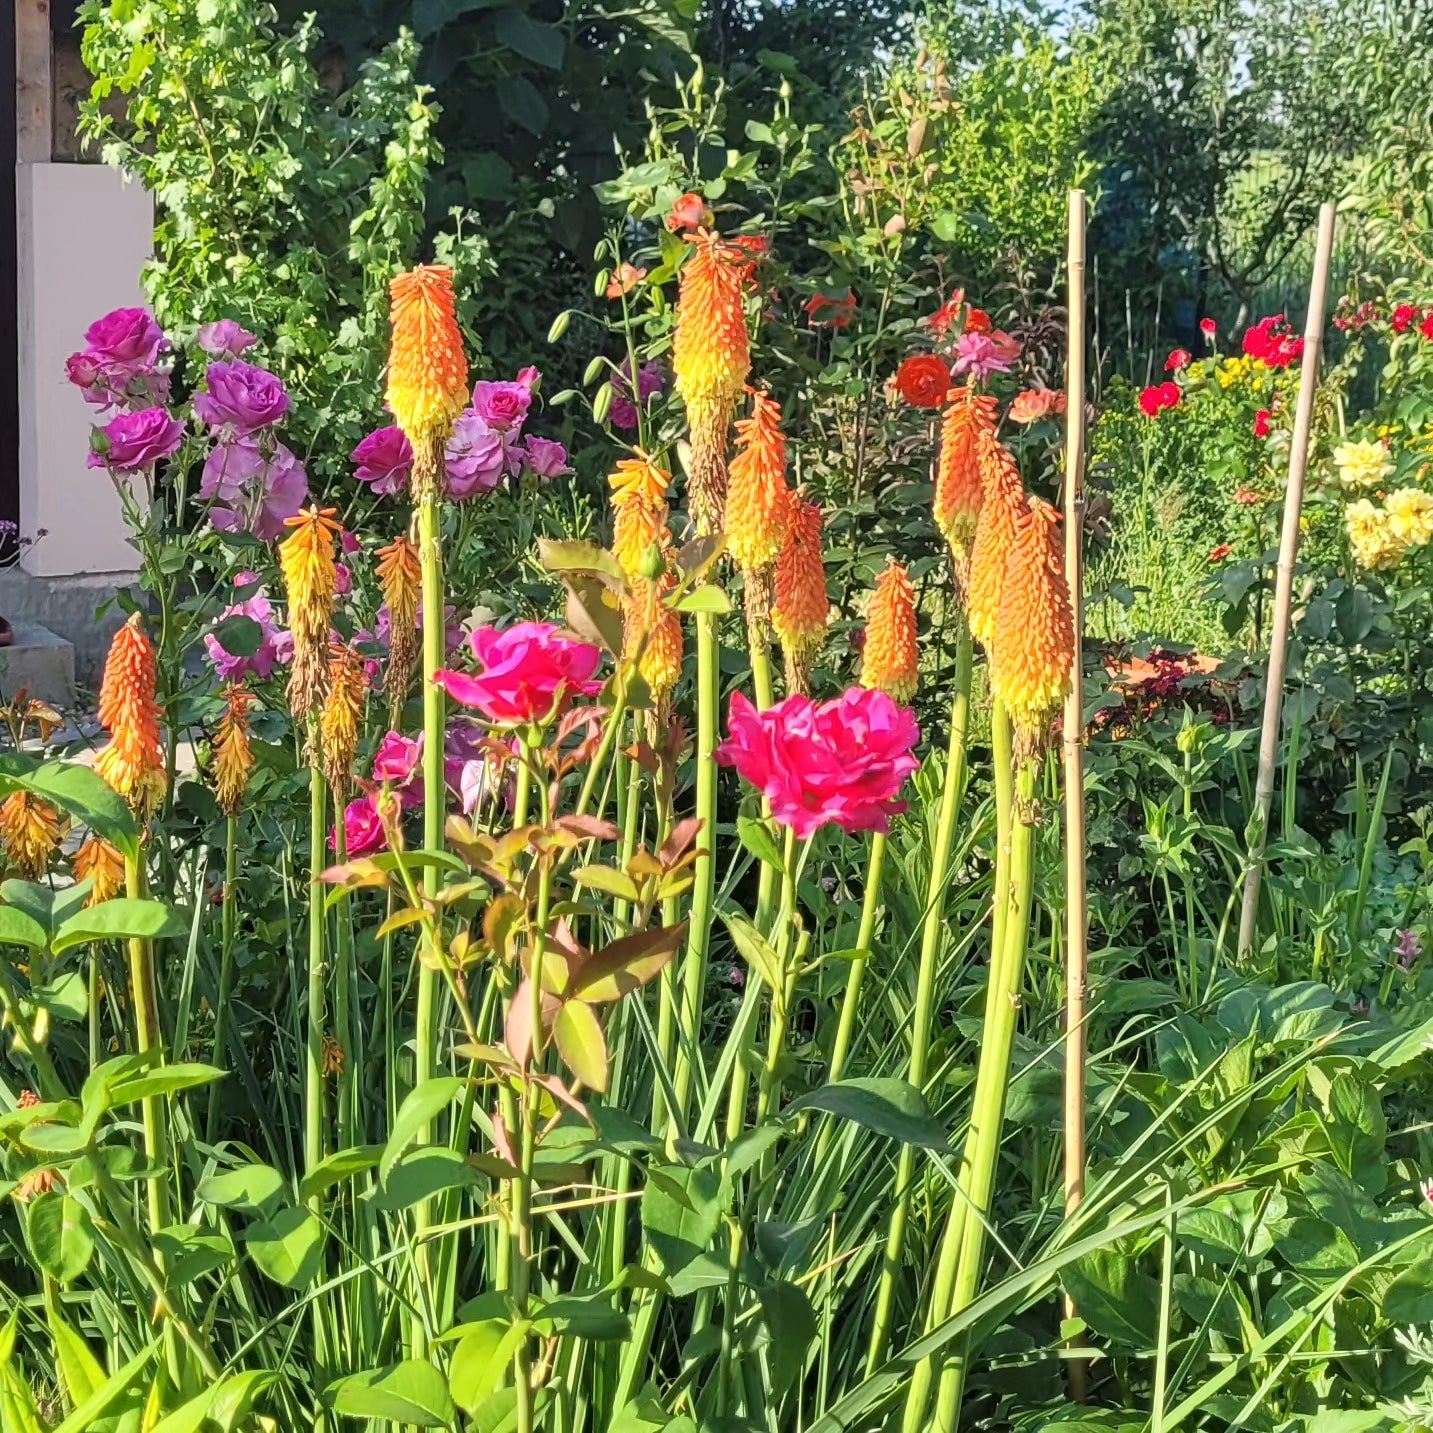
<point x="276" y="646"/>
<point x="224" y="338"/>
<point x="476" y="456"/>
<point x="545" y="457"/>
<point x="502" y="406"/>
<point x="127" y="338"/>
<point x="241" y="398"/>
<point x="623" y="411"/>
<point x="383" y="458"/>
<point x="135" y="440"/>
<point x="981" y="354"/>
<point x="251" y="492"/>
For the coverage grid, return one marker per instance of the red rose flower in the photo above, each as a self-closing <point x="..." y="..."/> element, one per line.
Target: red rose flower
<point x="977" y="321"/>
<point x="941" y="320"/>
<point x="1426" y="327"/>
<point x="1208" y="327"/>
<point x="1404" y="317"/>
<point x="1159" y="396"/>
<point x="1218" y="554"/>
<point x="1176" y="360"/>
<point x="824" y="312"/>
<point x="923" y="379"/>
<point x="1261" y="423"/>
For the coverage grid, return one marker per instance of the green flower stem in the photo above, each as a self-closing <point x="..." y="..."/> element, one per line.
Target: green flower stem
<point x="932" y="931"/>
<point x="343" y="994"/>
<point x="762" y="687"/>
<point x="226" y="970"/>
<point x="425" y="1034"/>
<point x="147" y="1037"/>
<point x="870" y="906"/>
<point x="313" y="1061"/>
<point x="992" y="1083"/>
<point x="694" y="960"/>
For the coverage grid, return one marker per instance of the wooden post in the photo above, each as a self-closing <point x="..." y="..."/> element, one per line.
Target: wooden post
<point x="1284" y="580"/>
<point x="34" y="82"/>
<point x="1076" y="953"/>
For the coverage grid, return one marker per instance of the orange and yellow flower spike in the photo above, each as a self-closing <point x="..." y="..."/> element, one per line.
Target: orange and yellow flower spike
<point x="399" y="580"/>
<point x="133" y="761"/>
<point x="233" y="755"/>
<point x="711" y="357"/>
<point x="957" y="483"/>
<point x="890" y="660"/>
<point x="758" y="505"/>
<point x="98" y="859"/>
<point x="427" y="368"/>
<point x="1002" y="504"/>
<point x="800" y="606"/>
<point x="341" y="716"/>
<point x="639" y="511"/>
<point x="1033" y="652"/>
<point x="306" y="558"/>
<point x="30" y="828"/>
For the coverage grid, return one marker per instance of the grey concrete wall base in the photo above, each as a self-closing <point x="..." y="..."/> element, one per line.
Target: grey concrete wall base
<point x="67" y="606"/>
<point x="39" y="663"/>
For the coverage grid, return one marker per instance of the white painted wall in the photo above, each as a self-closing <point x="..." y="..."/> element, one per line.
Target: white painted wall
<point x="84" y="235"/>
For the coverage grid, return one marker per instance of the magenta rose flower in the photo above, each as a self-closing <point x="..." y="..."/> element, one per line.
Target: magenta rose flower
<point x="528" y="673"/>
<point x="476" y="456"/>
<point x="127" y="338"/>
<point x="135" y="440"/>
<point x="503" y="406"/>
<point x="840" y="763"/>
<point x="241" y="398"/>
<point x="545" y="457"/>
<point x="250" y="492"/>
<point x="383" y="459"/>
<point x="397" y="758"/>
<point x="224" y="338"/>
<point x="276" y="646"/>
<point x="361" y="827"/>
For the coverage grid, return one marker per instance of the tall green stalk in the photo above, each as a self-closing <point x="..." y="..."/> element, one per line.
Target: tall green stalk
<point x="313" y="1057"/>
<point x="148" y="1037"/>
<point x="226" y="969"/>
<point x="970" y="1209"/>
<point x="850" y="1002"/>
<point x="694" y="960"/>
<point x="932" y="931"/>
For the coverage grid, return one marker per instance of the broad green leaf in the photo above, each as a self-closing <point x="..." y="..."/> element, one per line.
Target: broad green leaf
<point x="422" y="1173"/>
<point x="234" y="1399"/>
<point x="337" y="1168"/>
<point x="238" y="635"/>
<point x="65" y="997"/>
<point x="585" y="1316"/>
<point x="411" y="1392"/>
<point x="122" y="1387"/>
<point x="1409" y="1298"/>
<point x="252" y="1187"/>
<point x="1115" y="1298"/>
<point x="482" y="1360"/>
<point x="166" y="1080"/>
<point x="755" y="949"/>
<point x="681" y="1212"/>
<point x="190" y="1252"/>
<point x="789" y="1319"/>
<point x="889" y="1107"/>
<point x="417" y="1111"/>
<point x="287" y="1247"/>
<point x="581" y="1043"/>
<point x="90" y="799"/>
<point x="120" y="919"/>
<point x="706" y="598"/>
<point x="757" y="838"/>
<point x="61" y="1235"/>
<point x="81" y="1372"/>
<point x="17" y="928"/>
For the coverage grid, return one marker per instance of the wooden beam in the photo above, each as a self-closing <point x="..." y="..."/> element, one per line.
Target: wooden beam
<point x="34" y="82"/>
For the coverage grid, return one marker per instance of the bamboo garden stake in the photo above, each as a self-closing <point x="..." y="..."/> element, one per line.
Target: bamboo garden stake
<point x="1076" y="922"/>
<point x="1284" y="581"/>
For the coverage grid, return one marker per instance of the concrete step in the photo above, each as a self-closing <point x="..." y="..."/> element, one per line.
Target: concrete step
<point x="41" y="663"/>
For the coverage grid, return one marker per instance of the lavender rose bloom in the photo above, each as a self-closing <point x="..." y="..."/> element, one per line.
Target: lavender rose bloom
<point x="135" y="440"/>
<point x="545" y="457"/>
<point x="383" y="459"/>
<point x="241" y="398"/>
<point x="224" y="338"/>
<point x="623" y="411"/>
<point x="503" y="406"/>
<point x="476" y="456"/>
<point x="276" y="646"/>
<point x="252" y="493"/>
<point x="126" y="337"/>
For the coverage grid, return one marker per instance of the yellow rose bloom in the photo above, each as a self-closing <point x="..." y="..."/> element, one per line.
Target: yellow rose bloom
<point x="1371" y="536"/>
<point x="1410" y="514"/>
<point x="1362" y="464"/>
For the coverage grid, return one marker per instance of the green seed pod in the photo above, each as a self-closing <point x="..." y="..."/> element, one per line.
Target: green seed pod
<point x="559" y="325"/>
<point x="601" y="403"/>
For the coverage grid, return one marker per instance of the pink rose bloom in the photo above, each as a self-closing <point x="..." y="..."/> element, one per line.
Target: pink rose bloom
<point x="397" y="758"/>
<point x="840" y="763"/>
<point x="978" y="355"/>
<point x="342" y="579"/>
<point x="241" y="398"/>
<point x="530" y="378"/>
<point x="135" y="440"/>
<point x="362" y="828"/>
<point x="348" y="542"/>
<point x="252" y="493"/>
<point x="224" y="338"/>
<point x="127" y="337"/>
<point x="623" y="411"/>
<point x="276" y="646"/>
<point x="502" y="406"/>
<point x="383" y="459"/>
<point x="1036" y="403"/>
<point x="528" y="673"/>
<point x="476" y="456"/>
<point x="545" y="457"/>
